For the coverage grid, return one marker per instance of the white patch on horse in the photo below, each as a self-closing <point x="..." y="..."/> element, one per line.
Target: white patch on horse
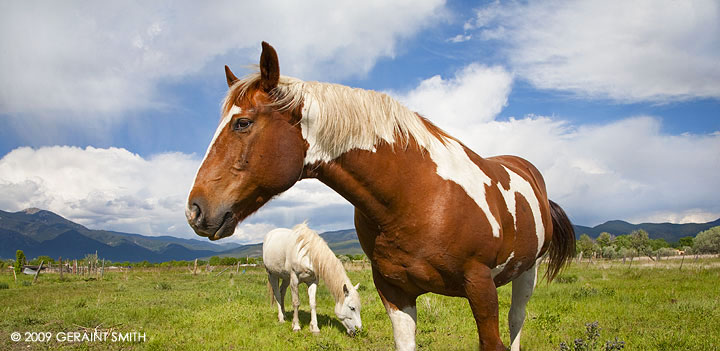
<point x="519" y="185"/>
<point x="454" y="164"/>
<point x="499" y="268"/>
<point x="403" y="322"/>
<point x="226" y="119"/>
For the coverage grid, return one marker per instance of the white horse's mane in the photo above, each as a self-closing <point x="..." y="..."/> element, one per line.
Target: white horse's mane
<point x="344" y="118"/>
<point x="325" y="264"/>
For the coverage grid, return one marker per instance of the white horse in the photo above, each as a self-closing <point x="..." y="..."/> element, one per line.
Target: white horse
<point x="299" y="256"/>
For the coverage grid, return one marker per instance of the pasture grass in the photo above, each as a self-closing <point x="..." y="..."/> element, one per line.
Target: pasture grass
<point x="649" y="307"/>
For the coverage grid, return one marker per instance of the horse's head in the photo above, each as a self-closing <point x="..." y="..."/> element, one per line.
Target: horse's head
<point x="257" y="152"/>
<point x="349" y="310"/>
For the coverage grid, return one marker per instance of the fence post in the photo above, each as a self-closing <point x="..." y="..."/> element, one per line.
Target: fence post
<point x="102" y="270"/>
<point x="682" y="260"/>
<point x="61" y="268"/>
<point x="195" y="268"/>
<point x="238" y="267"/>
<point x="38" y="271"/>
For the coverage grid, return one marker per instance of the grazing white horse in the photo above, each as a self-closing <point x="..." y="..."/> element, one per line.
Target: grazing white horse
<point x="300" y="255"/>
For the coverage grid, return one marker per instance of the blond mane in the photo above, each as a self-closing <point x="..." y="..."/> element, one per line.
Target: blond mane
<point x="341" y="118"/>
<point x="325" y="264"/>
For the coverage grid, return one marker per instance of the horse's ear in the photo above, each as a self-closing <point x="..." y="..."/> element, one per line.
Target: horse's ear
<point x="345" y="290"/>
<point x="357" y="286"/>
<point x="269" y="67"/>
<point x="231" y="79"/>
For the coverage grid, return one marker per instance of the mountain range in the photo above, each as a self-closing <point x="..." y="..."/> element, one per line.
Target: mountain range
<point x="40" y="232"/>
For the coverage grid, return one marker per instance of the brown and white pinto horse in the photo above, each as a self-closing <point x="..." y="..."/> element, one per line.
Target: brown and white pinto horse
<point x="431" y="215"/>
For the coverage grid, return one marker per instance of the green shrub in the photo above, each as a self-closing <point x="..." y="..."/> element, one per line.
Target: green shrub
<point x="566" y="279"/>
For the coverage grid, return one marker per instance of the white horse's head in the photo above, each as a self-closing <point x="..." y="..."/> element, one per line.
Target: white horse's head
<point x="349" y="310"/>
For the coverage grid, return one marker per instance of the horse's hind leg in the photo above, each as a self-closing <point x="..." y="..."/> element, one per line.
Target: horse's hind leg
<point x="522" y="289"/>
<point x="278" y="295"/>
<point x="283" y="289"/>
<point x="312" y="289"/>
<point x="481" y="293"/>
<point x="294" y="281"/>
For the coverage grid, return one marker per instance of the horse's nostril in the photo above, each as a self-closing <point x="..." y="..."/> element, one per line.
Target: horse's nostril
<point x="195" y="214"/>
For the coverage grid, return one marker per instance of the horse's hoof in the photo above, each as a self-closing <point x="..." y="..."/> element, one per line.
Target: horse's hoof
<point x="296" y="329"/>
<point x="315" y="331"/>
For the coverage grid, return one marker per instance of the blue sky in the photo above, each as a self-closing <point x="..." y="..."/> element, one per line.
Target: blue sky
<point x="107" y="108"/>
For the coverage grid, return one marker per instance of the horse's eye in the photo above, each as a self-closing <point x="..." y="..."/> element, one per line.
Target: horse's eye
<point x="241" y="124"/>
<point x="352" y="308"/>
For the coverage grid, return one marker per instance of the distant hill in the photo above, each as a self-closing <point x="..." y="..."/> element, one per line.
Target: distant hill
<point x="39" y="232"/>
<point x="668" y="231"/>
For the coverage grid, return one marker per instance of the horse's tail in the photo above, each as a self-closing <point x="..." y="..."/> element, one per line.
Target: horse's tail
<point x="562" y="245"/>
<point x="270" y="293"/>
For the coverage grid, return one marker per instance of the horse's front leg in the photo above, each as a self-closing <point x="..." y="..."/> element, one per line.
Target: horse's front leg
<point x="294" y="281"/>
<point x="312" y="289"/>
<point x="401" y="309"/>
<point x="481" y="293"/>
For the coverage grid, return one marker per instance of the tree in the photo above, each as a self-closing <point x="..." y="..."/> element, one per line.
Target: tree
<point x="640" y="241"/>
<point x="657" y="244"/>
<point x="19" y="261"/>
<point x="623" y="241"/>
<point x="604" y="239"/>
<point x="708" y="241"/>
<point x="586" y="245"/>
<point x="214" y="261"/>
<point x="685" y="241"/>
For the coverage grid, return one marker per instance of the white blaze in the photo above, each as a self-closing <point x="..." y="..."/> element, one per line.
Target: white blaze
<point x="226" y="119"/>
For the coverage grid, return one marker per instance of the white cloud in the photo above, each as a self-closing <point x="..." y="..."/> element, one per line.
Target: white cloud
<point x="623" y="50"/>
<point x="115" y="189"/>
<point x="100" y="188"/>
<point x="99" y="59"/>
<point x="476" y="93"/>
<point x="627" y="169"/>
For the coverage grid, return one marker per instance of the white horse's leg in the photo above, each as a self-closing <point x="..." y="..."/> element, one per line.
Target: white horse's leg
<point x="283" y="289"/>
<point x="312" y="289"/>
<point x="522" y="289"/>
<point x="279" y="300"/>
<point x="295" y="300"/>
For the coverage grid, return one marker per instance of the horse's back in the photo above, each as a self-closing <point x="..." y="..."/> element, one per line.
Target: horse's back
<point x="275" y="250"/>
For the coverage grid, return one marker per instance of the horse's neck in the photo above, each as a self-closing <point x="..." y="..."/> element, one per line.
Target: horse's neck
<point x="376" y="182"/>
<point x="332" y="272"/>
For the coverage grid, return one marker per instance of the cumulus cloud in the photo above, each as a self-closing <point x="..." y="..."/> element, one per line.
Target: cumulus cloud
<point x="476" y="93"/>
<point x="627" y="169"/>
<point x="101" y="59"/>
<point x="623" y="50"/>
<point x="117" y="190"/>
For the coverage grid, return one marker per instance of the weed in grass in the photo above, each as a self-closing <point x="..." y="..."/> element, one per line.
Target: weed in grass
<point x="4" y="285"/>
<point x="566" y="279"/>
<point x="81" y="303"/>
<point x="548" y="321"/>
<point x="163" y="286"/>
<point x="590" y="341"/>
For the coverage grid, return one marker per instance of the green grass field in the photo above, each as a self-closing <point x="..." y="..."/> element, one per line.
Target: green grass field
<point x="648" y="306"/>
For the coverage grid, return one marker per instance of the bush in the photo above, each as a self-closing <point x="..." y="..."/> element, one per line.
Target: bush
<point x="19" y="261"/>
<point x="566" y="279"/>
